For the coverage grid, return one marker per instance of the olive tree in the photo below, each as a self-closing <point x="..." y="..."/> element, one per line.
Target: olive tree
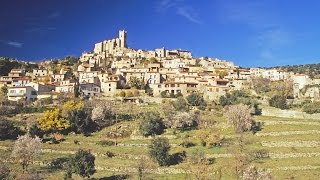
<point x="151" y="124"/>
<point x="159" y="151"/>
<point x="82" y="163"/>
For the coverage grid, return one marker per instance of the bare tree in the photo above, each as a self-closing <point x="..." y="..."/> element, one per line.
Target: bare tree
<point x="26" y="149"/>
<point x="102" y="113"/>
<point x="240" y="117"/>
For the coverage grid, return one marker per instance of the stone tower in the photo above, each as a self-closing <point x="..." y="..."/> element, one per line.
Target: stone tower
<point x="123" y="38"/>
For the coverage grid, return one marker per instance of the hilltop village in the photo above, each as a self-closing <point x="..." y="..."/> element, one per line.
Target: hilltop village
<point x="122" y="113"/>
<point x="113" y="69"/>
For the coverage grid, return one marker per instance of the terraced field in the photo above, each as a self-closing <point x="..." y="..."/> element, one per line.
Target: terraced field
<point x="293" y="147"/>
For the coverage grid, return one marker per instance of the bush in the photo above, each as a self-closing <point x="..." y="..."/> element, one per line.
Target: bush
<point x="196" y="100"/>
<point x="278" y="102"/>
<point x="82" y="163"/>
<point x="129" y="94"/>
<point x="109" y="154"/>
<point x="312" y="108"/>
<point x="58" y="164"/>
<point x="181" y="104"/>
<point x="151" y="124"/>
<point x="106" y="143"/>
<point x="187" y="144"/>
<point x="159" y="151"/>
<point x="4" y="171"/>
<point x="34" y="130"/>
<point x="164" y="94"/>
<point x="8" y="130"/>
<point x="122" y="94"/>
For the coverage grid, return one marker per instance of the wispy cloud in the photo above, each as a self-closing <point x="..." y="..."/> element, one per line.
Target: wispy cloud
<point x="269" y="35"/>
<point x="189" y="13"/>
<point x="181" y="8"/>
<point x="12" y="43"/>
<point x="41" y="24"/>
<point x="164" y="5"/>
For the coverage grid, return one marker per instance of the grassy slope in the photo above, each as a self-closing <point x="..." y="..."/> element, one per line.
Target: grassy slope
<point x="125" y="155"/>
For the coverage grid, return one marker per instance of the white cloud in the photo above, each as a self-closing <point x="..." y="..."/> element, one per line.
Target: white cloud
<point x="189" y="14"/>
<point x="12" y="43"/>
<point x="180" y="7"/>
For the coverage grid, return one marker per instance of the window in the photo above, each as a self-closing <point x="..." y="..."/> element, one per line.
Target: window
<point x="109" y="89"/>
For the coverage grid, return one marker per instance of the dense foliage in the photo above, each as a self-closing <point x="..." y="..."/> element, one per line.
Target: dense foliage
<point x="159" y="151"/>
<point x="151" y="124"/>
<point x="6" y="64"/>
<point x="82" y="163"/>
<point x="237" y="97"/>
<point x="8" y="130"/>
<point x="278" y="102"/>
<point x="312" y="108"/>
<point x="313" y="70"/>
<point x="195" y="99"/>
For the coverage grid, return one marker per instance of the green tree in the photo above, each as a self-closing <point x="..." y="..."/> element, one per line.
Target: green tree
<point x="159" y="151"/>
<point x="82" y="163"/>
<point x="311" y="108"/>
<point x="151" y="124"/>
<point x="8" y="130"/>
<point x="195" y="99"/>
<point x="181" y="104"/>
<point x="278" y="102"/>
<point x="135" y="82"/>
<point x="80" y="121"/>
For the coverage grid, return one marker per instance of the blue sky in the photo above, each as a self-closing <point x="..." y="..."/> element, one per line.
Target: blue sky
<point x="248" y="32"/>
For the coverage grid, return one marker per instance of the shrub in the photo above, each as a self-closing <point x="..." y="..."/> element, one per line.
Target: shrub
<point x="159" y="151"/>
<point x="122" y="94"/>
<point x="164" y="94"/>
<point x="183" y="120"/>
<point x="278" y="102"/>
<point x="4" y="171"/>
<point x="312" y="108"/>
<point x="8" y="130"/>
<point x="82" y="163"/>
<point x="58" y="164"/>
<point x="106" y="143"/>
<point x="109" y="154"/>
<point x="129" y="94"/>
<point x="135" y="92"/>
<point x="187" y="144"/>
<point x="181" y="104"/>
<point x="195" y="99"/>
<point x="151" y="124"/>
<point x="34" y="130"/>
